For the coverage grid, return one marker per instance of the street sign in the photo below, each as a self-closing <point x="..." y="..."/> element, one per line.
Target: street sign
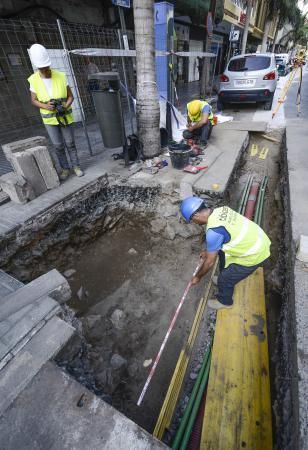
<point x="234" y="35"/>
<point x="123" y="3"/>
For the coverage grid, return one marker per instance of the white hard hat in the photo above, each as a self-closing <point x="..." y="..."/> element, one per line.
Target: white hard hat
<point x="39" y="56"/>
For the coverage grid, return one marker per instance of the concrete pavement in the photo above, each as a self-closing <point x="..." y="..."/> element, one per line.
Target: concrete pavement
<point x="297" y="159"/>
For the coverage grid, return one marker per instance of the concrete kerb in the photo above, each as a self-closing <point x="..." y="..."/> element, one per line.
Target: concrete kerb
<point x="225" y="147"/>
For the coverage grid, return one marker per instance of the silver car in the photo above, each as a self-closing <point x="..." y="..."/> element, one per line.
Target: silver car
<point x="249" y="78"/>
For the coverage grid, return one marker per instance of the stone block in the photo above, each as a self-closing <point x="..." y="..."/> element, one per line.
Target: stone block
<point x="25" y="165"/>
<point x="4" y="197"/>
<point x="42" y="347"/>
<point x="16" y="187"/>
<point x="24" y="326"/>
<point x="51" y="284"/>
<point x="45" y="165"/>
<point x="22" y="145"/>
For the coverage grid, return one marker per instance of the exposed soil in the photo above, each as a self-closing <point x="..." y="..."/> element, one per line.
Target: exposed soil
<point x="126" y="287"/>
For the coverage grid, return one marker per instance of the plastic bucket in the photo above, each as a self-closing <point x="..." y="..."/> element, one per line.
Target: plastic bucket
<point x="179" y="155"/>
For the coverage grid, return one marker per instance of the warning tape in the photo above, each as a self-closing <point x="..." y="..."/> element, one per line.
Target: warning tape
<point x="115" y="52"/>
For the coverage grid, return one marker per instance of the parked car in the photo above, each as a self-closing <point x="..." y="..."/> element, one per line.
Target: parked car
<point x="283" y="69"/>
<point x="249" y="78"/>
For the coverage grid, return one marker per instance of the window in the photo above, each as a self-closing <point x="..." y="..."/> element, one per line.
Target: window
<point x="249" y="63"/>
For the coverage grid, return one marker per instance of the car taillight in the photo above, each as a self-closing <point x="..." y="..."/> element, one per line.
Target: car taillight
<point x="224" y="78"/>
<point x="270" y="76"/>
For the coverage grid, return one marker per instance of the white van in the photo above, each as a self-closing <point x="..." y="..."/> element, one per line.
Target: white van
<point x="282" y="58"/>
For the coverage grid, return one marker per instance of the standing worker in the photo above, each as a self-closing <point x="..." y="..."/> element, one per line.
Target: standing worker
<point x="52" y="95"/>
<point x="241" y="244"/>
<point x="200" y="120"/>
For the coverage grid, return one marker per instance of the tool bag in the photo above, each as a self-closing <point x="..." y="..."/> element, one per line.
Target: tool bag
<point x="134" y="149"/>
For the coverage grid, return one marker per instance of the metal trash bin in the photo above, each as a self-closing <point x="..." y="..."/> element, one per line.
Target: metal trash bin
<point x="107" y="102"/>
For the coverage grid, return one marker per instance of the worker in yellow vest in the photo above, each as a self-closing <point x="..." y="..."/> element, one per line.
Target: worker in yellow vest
<point x="242" y="246"/>
<point x="53" y="96"/>
<point x="200" y="120"/>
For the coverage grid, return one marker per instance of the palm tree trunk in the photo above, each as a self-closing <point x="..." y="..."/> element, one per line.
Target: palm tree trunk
<point x="205" y="75"/>
<point x="276" y="35"/>
<point x="265" y="35"/>
<point x="246" y="28"/>
<point x="147" y="97"/>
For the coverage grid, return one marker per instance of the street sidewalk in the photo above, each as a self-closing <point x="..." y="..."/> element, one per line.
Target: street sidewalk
<point x="297" y="159"/>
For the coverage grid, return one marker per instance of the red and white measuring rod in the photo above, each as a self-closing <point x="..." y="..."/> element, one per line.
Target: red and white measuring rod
<point x="167" y="336"/>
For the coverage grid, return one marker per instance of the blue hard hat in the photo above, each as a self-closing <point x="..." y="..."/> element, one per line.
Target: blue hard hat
<point x="189" y="206"/>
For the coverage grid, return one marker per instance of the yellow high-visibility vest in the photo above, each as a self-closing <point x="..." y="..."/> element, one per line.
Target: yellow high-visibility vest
<point x="198" y="118"/>
<point x="248" y="244"/>
<point x="59" y="92"/>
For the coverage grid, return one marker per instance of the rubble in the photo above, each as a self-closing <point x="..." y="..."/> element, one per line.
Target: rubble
<point x="16" y="187"/>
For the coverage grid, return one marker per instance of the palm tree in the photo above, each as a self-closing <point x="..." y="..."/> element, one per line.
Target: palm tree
<point x="299" y="33"/>
<point x="148" y="114"/>
<point x="287" y="12"/>
<point x="271" y="12"/>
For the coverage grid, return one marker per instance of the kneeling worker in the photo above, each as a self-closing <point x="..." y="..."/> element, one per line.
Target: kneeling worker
<point x="52" y="95"/>
<point x="200" y="120"/>
<point x="241" y="244"/>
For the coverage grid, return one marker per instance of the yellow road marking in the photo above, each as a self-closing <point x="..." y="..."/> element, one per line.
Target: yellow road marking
<point x="263" y="153"/>
<point x="254" y="149"/>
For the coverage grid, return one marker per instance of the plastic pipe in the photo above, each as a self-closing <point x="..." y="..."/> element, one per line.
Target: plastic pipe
<point x="244" y="194"/>
<point x="251" y="201"/>
<point x="196" y="406"/>
<point x="262" y="201"/>
<point x="190" y="405"/>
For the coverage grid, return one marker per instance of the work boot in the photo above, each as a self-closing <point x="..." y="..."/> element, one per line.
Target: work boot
<point x="63" y="175"/>
<point x="78" y="171"/>
<point x="213" y="303"/>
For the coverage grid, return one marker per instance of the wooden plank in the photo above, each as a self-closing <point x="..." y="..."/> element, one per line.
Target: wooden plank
<point x="170" y="402"/>
<point x="238" y="406"/>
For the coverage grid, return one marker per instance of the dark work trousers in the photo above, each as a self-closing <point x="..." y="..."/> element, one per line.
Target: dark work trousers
<point x="203" y="133"/>
<point x="229" y="277"/>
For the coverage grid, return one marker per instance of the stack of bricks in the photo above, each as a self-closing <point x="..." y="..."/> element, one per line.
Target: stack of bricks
<point x="34" y="171"/>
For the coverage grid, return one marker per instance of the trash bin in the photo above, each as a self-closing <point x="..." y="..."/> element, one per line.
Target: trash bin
<point x="107" y="102"/>
<point x="179" y="155"/>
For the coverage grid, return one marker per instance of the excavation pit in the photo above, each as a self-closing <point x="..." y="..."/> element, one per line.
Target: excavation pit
<point x="126" y="288"/>
<point x="128" y="257"/>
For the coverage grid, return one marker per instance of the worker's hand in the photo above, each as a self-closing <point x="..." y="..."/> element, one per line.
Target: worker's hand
<point x="195" y="280"/>
<point x="50" y="106"/>
<point x="203" y="254"/>
<point x="190" y="128"/>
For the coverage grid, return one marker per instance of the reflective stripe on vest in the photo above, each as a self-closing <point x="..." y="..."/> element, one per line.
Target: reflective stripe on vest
<point x="248" y="246"/>
<point x="59" y="92"/>
<point x="198" y="118"/>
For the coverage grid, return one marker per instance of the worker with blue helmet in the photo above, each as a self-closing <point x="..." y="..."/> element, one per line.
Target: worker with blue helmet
<point x="242" y="246"/>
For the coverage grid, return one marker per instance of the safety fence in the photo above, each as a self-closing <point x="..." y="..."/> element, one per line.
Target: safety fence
<point x="19" y="119"/>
